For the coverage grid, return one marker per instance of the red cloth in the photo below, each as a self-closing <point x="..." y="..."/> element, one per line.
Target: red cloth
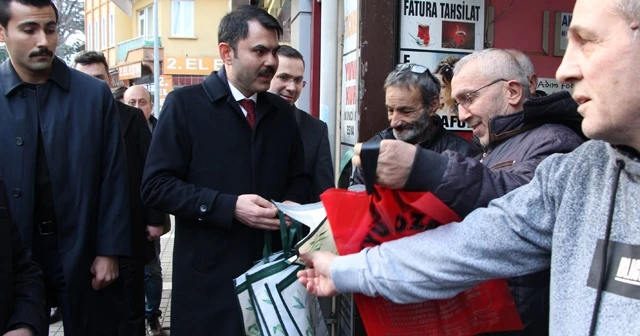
<point x="359" y="220"/>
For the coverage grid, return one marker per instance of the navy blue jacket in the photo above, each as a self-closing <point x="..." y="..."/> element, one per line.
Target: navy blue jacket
<point x="86" y="158"/>
<point x="21" y="286"/>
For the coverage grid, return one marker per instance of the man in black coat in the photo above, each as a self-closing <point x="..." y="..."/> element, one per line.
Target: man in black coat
<point x="412" y="99"/>
<point x="64" y="161"/>
<point x="288" y="83"/>
<point x="22" y="308"/>
<point x="138" y="96"/>
<point x="216" y="160"/>
<point x="137" y="139"/>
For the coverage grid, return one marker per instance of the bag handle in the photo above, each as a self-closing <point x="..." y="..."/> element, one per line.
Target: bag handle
<point x="287" y="236"/>
<point x="369" y="158"/>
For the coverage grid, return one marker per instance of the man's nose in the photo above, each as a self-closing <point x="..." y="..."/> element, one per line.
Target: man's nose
<point x="394" y="119"/>
<point x="463" y="113"/>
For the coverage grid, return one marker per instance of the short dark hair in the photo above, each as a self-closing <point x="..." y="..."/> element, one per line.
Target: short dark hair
<point x="291" y="52"/>
<point x="235" y="25"/>
<point x="118" y="93"/>
<point x="91" y="57"/>
<point x="5" y="14"/>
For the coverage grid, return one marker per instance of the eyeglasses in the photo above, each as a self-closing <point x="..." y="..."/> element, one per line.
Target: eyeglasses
<point x="468" y="98"/>
<point x="286" y="79"/>
<point x="416" y="69"/>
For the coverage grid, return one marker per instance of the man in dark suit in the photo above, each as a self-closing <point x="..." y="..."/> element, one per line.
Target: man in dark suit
<point x="22" y="308"/>
<point x="64" y="161"/>
<point x="137" y="139"/>
<point x="138" y="96"/>
<point x="222" y="150"/>
<point x="288" y="83"/>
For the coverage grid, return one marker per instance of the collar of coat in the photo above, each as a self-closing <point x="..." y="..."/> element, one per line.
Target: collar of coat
<point x="557" y="108"/>
<point x="10" y="81"/>
<point x="216" y="87"/>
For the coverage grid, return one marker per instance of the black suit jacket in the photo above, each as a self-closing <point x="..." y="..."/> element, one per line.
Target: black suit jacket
<point x="203" y="156"/>
<point x="137" y="139"/>
<point x="317" y="153"/>
<point x="21" y="286"/>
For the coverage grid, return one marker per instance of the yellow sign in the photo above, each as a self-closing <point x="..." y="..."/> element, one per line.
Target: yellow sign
<point x="130" y="71"/>
<point x="179" y="65"/>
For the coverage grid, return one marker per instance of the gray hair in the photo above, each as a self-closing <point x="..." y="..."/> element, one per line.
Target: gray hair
<point x="496" y="63"/>
<point x="628" y="9"/>
<point x="405" y="77"/>
<point x="524" y="62"/>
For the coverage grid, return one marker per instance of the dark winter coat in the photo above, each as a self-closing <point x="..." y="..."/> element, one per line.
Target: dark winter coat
<point x="203" y="156"/>
<point x="518" y="143"/>
<point x="137" y="139"/>
<point x="87" y="164"/>
<point x="21" y="286"/>
<point x="317" y="153"/>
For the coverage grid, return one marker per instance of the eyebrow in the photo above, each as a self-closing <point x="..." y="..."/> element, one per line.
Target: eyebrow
<point x="34" y="23"/>
<point x="286" y="74"/>
<point x="582" y="31"/>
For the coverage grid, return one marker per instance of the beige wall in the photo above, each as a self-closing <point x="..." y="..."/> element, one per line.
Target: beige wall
<point x="204" y="43"/>
<point x="206" y="19"/>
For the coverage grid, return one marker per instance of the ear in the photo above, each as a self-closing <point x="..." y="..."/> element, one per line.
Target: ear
<point x="514" y="93"/>
<point x="3" y="33"/>
<point x="533" y="83"/>
<point x="435" y="105"/>
<point x="226" y="53"/>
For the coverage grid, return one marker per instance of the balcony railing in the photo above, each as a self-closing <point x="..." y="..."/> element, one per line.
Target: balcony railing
<point x="124" y="47"/>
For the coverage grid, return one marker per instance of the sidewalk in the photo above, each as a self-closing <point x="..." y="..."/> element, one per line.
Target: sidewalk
<point x="166" y="261"/>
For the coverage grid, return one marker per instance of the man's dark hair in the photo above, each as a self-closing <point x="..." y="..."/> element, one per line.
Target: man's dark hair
<point x="5" y="14"/>
<point x="118" y="93"/>
<point x="235" y="25"/>
<point x="91" y="57"/>
<point x="291" y="52"/>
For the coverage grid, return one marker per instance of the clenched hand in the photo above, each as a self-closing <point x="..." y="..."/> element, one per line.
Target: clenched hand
<point x="105" y="271"/>
<point x="394" y="162"/>
<point x="257" y="212"/>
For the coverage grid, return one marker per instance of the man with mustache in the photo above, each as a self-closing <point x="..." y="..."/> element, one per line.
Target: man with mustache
<point x="221" y="152"/>
<point x="63" y="161"/>
<point x="412" y="99"/>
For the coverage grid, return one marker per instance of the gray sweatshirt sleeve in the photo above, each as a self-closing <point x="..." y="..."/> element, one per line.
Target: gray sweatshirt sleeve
<point x="511" y="237"/>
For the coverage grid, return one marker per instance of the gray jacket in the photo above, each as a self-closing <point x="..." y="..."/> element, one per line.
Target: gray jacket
<point x="558" y="220"/>
<point x="518" y="143"/>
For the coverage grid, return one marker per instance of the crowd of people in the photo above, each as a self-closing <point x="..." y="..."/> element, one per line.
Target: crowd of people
<point x="89" y="176"/>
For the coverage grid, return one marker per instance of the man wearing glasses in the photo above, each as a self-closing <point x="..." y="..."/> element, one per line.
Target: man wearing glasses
<point x="490" y="91"/>
<point x="412" y="98"/>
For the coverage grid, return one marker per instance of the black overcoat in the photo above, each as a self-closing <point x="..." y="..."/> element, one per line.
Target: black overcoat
<point x="86" y="158"/>
<point x="203" y="155"/>
<point x="21" y="286"/>
<point x="137" y="139"/>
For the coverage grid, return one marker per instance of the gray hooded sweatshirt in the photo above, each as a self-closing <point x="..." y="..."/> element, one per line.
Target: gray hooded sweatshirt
<point x="564" y="210"/>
